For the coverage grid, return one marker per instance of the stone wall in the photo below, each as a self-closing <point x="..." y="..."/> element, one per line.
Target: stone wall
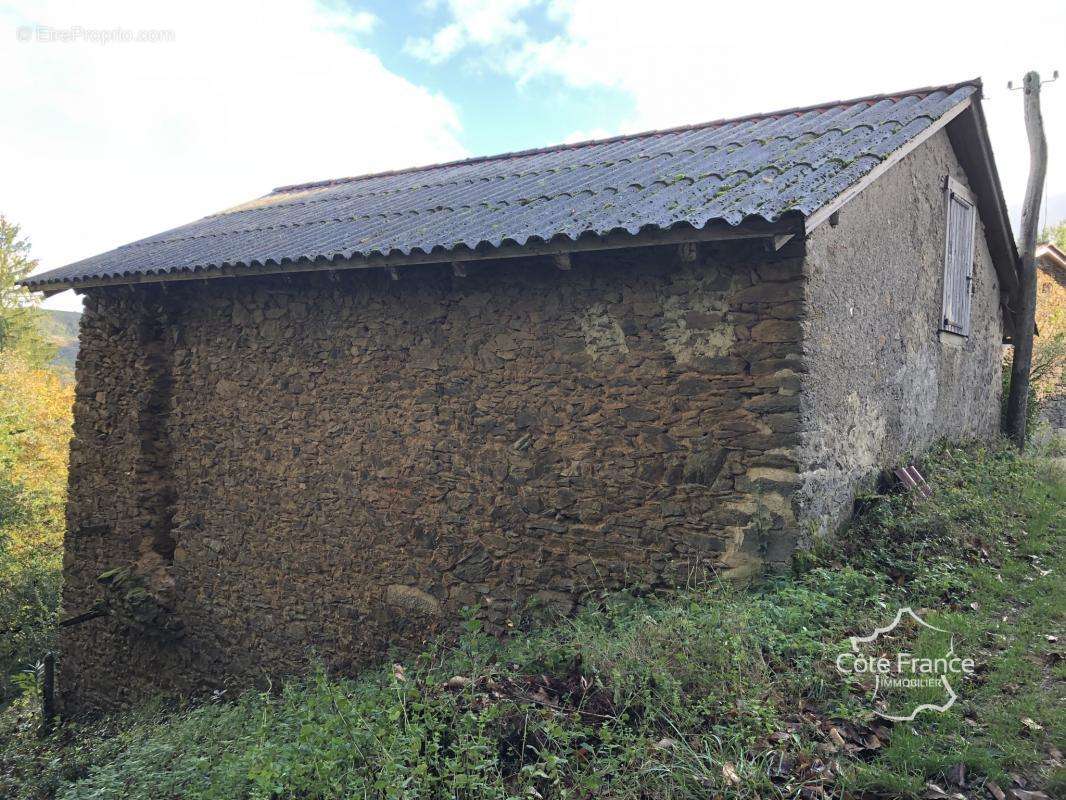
<point x="883" y="383"/>
<point x="340" y="463"/>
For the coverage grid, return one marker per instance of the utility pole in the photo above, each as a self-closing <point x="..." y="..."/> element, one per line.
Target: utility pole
<point x="1025" y="322"/>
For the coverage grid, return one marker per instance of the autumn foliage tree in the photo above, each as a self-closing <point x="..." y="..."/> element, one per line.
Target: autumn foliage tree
<point x="35" y="409"/>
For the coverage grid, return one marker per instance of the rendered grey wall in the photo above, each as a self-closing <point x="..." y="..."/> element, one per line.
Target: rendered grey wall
<point x="882" y="383"/>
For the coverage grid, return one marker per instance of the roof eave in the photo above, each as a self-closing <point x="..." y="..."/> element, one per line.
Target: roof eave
<point x="788" y="225"/>
<point x="1050" y="253"/>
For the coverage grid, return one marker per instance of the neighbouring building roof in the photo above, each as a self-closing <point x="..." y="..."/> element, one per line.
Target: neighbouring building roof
<point x="1048" y="256"/>
<point x="791" y="166"/>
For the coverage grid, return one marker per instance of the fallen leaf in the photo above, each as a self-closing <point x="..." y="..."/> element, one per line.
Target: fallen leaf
<point x="957" y="775"/>
<point x="933" y="792"/>
<point x="1031" y="725"/>
<point x="1022" y="794"/>
<point x="785" y="765"/>
<point x="836" y="738"/>
<point x="730" y="774"/>
<point x="1055" y="756"/>
<point x="826" y="749"/>
<point x="995" y="791"/>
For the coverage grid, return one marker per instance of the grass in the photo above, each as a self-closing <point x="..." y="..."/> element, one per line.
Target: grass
<point x="715" y="691"/>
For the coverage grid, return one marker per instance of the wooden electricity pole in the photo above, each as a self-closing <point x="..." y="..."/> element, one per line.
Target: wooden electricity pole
<point x="1025" y="322"/>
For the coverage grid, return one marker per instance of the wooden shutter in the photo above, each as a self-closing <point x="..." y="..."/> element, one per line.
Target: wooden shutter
<point x="958" y="258"/>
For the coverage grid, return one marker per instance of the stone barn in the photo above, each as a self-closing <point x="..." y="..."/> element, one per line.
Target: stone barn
<point x="331" y="418"/>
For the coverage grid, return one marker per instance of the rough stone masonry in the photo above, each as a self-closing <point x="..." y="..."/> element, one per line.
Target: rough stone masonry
<point x="339" y="462"/>
<point x="343" y="464"/>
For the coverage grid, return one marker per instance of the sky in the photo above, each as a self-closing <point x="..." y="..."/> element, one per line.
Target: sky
<point x="123" y="119"/>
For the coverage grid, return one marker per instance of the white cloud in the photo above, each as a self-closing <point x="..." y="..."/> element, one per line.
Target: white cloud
<point x="333" y="15"/>
<point x="478" y="23"/>
<point x="685" y="61"/>
<point x="364" y="22"/>
<point x="491" y="21"/>
<point x="120" y="141"/>
<point x="586" y="135"/>
<point x="438" y="48"/>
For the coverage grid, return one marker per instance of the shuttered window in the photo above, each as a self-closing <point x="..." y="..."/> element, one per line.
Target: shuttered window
<point x="958" y="258"/>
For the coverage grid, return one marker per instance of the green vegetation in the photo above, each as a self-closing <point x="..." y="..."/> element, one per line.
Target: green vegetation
<point x="715" y="691"/>
<point x="1055" y="234"/>
<point x="20" y="317"/>
<point x="1049" y="347"/>
<point x="35" y="407"/>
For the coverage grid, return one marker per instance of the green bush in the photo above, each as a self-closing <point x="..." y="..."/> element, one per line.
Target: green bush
<point x="30" y="582"/>
<point x="35" y="410"/>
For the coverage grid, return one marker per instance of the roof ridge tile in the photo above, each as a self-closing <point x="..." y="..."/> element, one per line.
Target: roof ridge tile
<point x="868" y="100"/>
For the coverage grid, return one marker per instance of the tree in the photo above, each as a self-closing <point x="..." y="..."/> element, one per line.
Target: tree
<point x="1022" y="359"/>
<point x="1056" y="234"/>
<point x="20" y="314"/>
<point x="35" y="411"/>
<point x="35" y="404"/>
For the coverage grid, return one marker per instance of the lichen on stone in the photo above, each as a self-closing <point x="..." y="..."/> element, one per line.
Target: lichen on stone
<point x="602" y="333"/>
<point x="694" y="306"/>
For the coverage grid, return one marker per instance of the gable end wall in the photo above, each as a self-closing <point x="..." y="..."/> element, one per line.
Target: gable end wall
<point x="883" y="383"/>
